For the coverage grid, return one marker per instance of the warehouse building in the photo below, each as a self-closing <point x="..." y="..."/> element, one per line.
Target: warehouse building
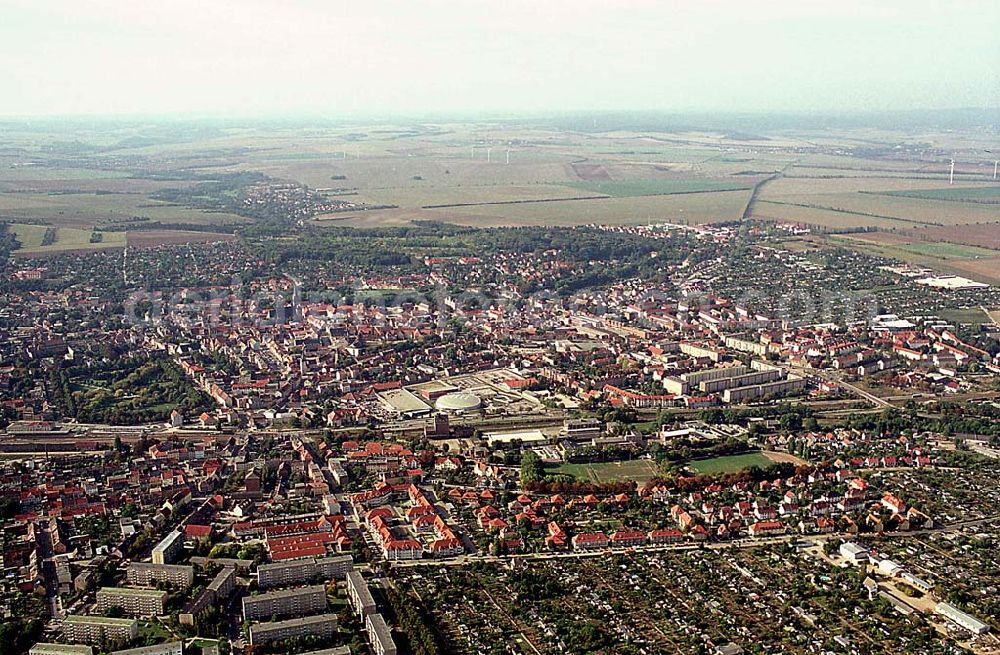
<point x="961" y="619"/>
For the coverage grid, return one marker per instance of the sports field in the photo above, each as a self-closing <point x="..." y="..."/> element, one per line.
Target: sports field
<point x="730" y="463"/>
<point x="639" y="470"/>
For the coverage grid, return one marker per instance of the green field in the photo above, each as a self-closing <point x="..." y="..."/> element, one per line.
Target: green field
<point x="30" y="237"/>
<point x="639" y="470"/>
<point x="632" y="188"/>
<point x="947" y="250"/>
<point x="730" y="463"/>
<point x="960" y="194"/>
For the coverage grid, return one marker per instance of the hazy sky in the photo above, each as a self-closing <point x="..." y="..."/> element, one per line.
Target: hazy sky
<point x="397" y="56"/>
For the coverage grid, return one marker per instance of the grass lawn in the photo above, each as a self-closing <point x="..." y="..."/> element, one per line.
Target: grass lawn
<point x="639" y="470"/>
<point x="730" y="463"/>
<point x="631" y="188"/>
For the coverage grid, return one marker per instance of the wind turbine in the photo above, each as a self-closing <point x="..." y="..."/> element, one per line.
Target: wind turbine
<point x="489" y="152"/>
<point x="951" y="176"/>
<point x="995" y="164"/>
<point x="508" y="156"/>
<point x="473" y="152"/>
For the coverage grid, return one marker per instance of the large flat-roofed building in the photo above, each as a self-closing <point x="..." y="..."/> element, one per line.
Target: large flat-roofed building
<point x="379" y="635"/>
<point x="745" y="380"/>
<point x="168" y="648"/>
<point x="60" y="649"/>
<point x="321" y="625"/>
<point x="223" y="583"/>
<point x="403" y="403"/>
<point x="169" y="547"/>
<point x="149" y="575"/>
<point x="582" y="429"/>
<point x="137" y="602"/>
<point x="697" y="377"/>
<point x="961" y="619"/>
<point x="778" y="388"/>
<point x="334" y="568"/>
<point x="217" y="591"/>
<point x="306" y="600"/>
<point x="85" y="629"/>
<point x="282" y="574"/>
<point x="359" y="595"/>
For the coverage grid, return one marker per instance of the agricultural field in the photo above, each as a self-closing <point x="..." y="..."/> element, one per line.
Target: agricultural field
<point x="680" y="208"/>
<point x="509" y="174"/>
<point x="990" y="194"/>
<point x="34" y="241"/>
<point x="663" y="187"/>
<point x="985" y="235"/>
<point x="638" y="470"/>
<point x="867" y="201"/>
<point x="730" y="463"/>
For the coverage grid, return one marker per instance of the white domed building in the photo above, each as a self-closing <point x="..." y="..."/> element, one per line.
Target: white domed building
<point x="460" y="402"/>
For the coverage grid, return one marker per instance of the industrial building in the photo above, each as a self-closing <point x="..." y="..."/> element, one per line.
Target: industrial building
<point x="961" y="619"/>
<point x="854" y="553"/>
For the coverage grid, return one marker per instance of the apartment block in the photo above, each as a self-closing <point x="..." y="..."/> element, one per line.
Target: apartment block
<point x="379" y="635"/>
<point x="313" y="569"/>
<point x="169" y="547"/>
<point x="306" y="600"/>
<point x="144" y="574"/>
<point x="217" y="591"/>
<point x="320" y="625"/>
<point x="359" y="595"/>
<point x="136" y="602"/>
<point x="85" y="629"/>
<point x="169" y="648"/>
<point x="42" y="648"/>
